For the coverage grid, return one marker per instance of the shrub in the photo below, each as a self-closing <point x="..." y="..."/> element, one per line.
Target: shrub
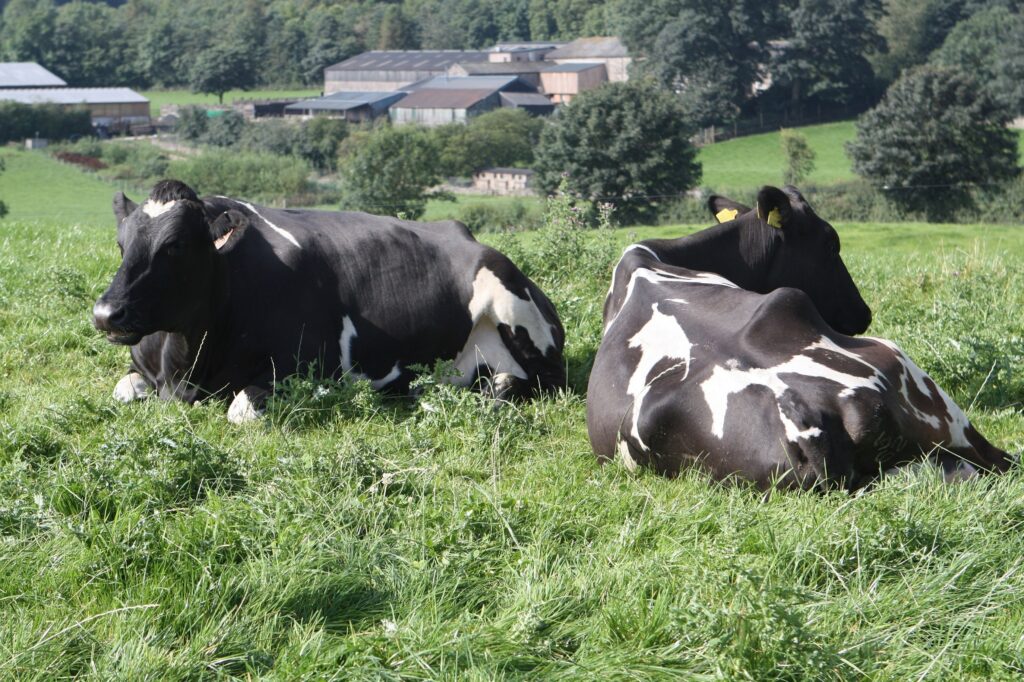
<point x="192" y="123"/>
<point x="19" y="121"/>
<point x="389" y="171"/>
<point x="799" y="157"/>
<point x="224" y="130"/>
<point x="263" y="177"/>
<point x="492" y="217"/>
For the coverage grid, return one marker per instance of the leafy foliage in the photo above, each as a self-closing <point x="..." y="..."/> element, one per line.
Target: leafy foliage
<point x="260" y="177"/>
<point x="388" y="170"/>
<point x="799" y="157"/>
<point x="503" y="137"/>
<point x="626" y="144"/>
<point x="935" y="133"/>
<point x="19" y="121"/>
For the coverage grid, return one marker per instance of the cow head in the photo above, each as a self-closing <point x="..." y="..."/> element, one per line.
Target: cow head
<point x="169" y="265"/>
<point x="788" y="245"/>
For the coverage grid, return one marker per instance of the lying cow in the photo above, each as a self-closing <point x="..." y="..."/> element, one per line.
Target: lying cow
<point x="729" y="350"/>
<point x="218" y="297"/>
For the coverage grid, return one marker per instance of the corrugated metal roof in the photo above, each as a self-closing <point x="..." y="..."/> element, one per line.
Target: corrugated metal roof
<point x="520" y="45"/>
<point x="466" y="83"/>
<point x="526" y="99"/>
<point x="73" y="96"/>
<point x="574" y="67"/>
<point x="582" y="48"/>
<point x="503" y="68"/>
<point x="27" y="75"/>
<point x="344" y="101"/>
<point x="502" y="169"/>
<point x="408" y="60"/>
<point x="443" y="99"/>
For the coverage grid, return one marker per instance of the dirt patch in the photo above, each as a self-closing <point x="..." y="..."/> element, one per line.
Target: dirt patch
<point x="90" y="162"/>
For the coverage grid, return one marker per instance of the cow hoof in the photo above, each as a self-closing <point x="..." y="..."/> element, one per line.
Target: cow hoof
<point x="130" y="388"/>
<point x="243" y="409"/>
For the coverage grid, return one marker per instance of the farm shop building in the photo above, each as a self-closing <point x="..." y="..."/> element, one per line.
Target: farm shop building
<point x="113" y="107"/>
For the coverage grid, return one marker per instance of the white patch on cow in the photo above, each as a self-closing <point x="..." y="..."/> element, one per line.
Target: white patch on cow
<point x="221" y="241"/>
<point x="625" y="457"/>
<point x="102" y="310"/>
<point x="725" y="381"/>
<point x="485" y="347"/>
<point x="281" y="231"/>
<point x="658" y="276"/>
<point x="491" y="300"/>
<point x="660" y="339"/>
<point x="131" y="387"/>
<point x="348" y="334"/>
<point x="242" y="409"/>
<point x="157" y="208"/>
<point x="956" y="421"/>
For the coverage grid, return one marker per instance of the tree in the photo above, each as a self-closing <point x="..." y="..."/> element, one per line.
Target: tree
<point x="912" y="30"/>
<point x="799" y="157"/>
<point x="827" y="58"/>
<point x="222" y="67"/>
<point x="504" y="137"/>
<point x="225" y="130"/>
<point x="934" y="134"/>
<point x="395" y="30"/>
<point x="388" y="171"/>
<point x="627" y="144"/>
<point x="192" y="123"/>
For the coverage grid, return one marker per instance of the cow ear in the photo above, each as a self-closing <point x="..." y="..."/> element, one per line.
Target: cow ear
<point x="774" y="207"/>
<point x="227" y="225"/>
<point x="123" y="207"/>
<point x="724" y="209"/>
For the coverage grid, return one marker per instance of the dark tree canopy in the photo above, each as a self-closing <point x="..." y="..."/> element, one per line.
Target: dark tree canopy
<point x="627" y="144"/>
<point x="935" y="133"/>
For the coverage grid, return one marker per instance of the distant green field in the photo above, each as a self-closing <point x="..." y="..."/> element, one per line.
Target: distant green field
<point x="157" y="98"/>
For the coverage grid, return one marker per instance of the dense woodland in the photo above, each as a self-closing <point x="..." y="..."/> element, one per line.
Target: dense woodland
<point x="797" y="55"/>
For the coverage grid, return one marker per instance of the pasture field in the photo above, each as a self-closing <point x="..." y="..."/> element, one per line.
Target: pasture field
<point x="347" y="536"/>
<point x="158" y="98"/>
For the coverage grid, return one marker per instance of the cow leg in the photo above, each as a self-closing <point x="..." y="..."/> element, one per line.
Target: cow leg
<point x="249" y="405"/>
<point x="132" y="387"/>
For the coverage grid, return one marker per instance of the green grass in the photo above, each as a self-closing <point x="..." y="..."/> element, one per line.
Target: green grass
<point x="157" y="98"/>
<point x="351" y="537"/>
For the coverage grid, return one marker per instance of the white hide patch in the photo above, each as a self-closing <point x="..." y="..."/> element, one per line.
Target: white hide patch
<point x="660" y="339"/>
<point x="658" y="276"/>
<point x="492" y="300"/>
<point x="725" y="381"/>
<point x="625" y="457"/>
<point x="242" y="409"/>
<point x="957" y="422"/>
<point x="131" y="387"/>
<point x="157" y="208"/>
<point x="485" y="347"/>
<point x="348" y="334"/>
<point x="281" y="231"/>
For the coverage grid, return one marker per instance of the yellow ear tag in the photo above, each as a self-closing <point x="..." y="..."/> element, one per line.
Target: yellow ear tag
<point x="726" y="214"/>
<point x="774" y="218"/>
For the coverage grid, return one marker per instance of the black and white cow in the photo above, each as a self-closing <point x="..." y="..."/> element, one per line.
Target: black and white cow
<point x="218" y="297"/>
<point x="729" y="350"/>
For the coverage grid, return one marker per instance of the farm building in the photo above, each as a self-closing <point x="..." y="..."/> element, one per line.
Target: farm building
<point x="528" y="51"/>
<point x="27" y="75"/>
<point x="504" y="181"/>
<point x="562" y="82"/>
<point x="352" y="106"/>
<point x="391" y="70"/>
<point x="531" y="102"/>
<point x="527" y="72"/>
<point x="607" y="50"/>
<point x="447" y="99"/>
<point x="112" y="107"/>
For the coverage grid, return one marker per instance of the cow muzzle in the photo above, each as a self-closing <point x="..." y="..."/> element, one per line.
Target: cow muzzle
<point x="112" y="321"/>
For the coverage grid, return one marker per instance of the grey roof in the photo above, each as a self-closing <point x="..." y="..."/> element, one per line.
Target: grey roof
<point x="408" y="60"/>
<point x="574" y="67"/>
<point x="504" y="68"/>
<point x="73" y="96"/>
<point x="344" y="101"/>
<point x="27" y="75"/>
<point x="525" y="45"/>
<point x="435" y="98"/>
<point x="503" y="169"/>
<point x="584" y="48"/>
<point x="466" y="83"/>
<point x="526" y="99"/>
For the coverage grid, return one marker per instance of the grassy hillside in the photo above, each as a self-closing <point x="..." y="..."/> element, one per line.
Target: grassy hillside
<point x="351" y="537"/>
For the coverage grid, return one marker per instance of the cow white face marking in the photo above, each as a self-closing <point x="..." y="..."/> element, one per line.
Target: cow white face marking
<point x="660" y="339"/>
<point x="157" y="208"/>
<point x="724" y="381"/>
<point x="491" y="299"/>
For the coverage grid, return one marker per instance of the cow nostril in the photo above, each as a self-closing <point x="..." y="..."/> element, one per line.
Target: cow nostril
<point x="105" y="316"/>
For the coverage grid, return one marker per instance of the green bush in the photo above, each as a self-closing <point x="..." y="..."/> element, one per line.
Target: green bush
<point x="224" y="130"/>
<point x="490" y="217"/>
<point x="263" y="177"/>
<point x="19" y="121"/>
<point x="192" y="123"/>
